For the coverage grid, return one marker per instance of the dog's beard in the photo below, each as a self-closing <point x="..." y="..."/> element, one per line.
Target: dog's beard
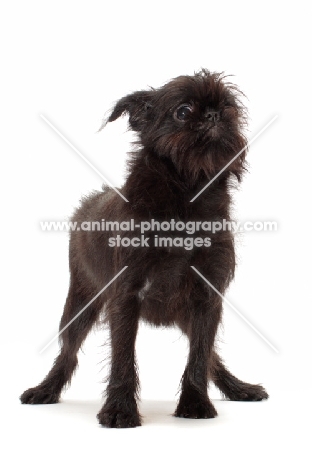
<point x="204" y="152"/>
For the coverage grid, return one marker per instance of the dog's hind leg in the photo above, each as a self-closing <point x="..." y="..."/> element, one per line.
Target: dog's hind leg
<point x="49" y="390"/>
<point x="233" y="388"/>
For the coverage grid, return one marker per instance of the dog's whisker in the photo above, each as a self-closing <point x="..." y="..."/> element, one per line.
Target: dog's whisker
<point x="235" y="157"/>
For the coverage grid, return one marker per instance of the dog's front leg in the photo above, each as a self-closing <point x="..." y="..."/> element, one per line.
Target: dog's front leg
<point x="120" y="408"/>
<point x="194" y="401"/>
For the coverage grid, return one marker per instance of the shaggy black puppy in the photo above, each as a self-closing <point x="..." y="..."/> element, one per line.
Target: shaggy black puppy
<point x="188" y="131"/>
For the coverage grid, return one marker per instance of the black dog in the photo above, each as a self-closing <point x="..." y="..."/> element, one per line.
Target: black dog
<point x="189" y="130"/>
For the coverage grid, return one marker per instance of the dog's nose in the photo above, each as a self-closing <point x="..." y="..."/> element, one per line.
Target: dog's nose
<point x="212" y="116"/>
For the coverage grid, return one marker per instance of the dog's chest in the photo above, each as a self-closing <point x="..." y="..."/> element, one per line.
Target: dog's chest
<point x="167" y="291"/>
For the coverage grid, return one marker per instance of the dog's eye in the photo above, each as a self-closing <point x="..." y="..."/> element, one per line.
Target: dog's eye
<point x="183" y="111"/>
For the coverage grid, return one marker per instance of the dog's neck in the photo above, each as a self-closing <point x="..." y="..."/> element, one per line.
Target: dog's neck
<point x="155" y="188"/>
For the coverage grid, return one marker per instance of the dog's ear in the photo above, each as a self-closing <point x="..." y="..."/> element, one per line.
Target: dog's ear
<point x="136" y="106"/>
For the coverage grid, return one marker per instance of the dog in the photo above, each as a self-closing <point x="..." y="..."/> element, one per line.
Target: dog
<point x="190" y="132"/>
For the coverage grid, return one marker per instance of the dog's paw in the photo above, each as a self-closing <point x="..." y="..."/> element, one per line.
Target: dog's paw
<point x="195" y="410"/>
<point x="39" y="396"/>
<point x="118" y="419"/>
<point x="247" y="392"/>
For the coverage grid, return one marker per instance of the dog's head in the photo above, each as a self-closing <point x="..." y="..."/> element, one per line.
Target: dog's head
<point x="196" y="121"/>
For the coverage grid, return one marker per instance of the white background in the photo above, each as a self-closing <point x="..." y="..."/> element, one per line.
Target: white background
<point x="70" y="61"/>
